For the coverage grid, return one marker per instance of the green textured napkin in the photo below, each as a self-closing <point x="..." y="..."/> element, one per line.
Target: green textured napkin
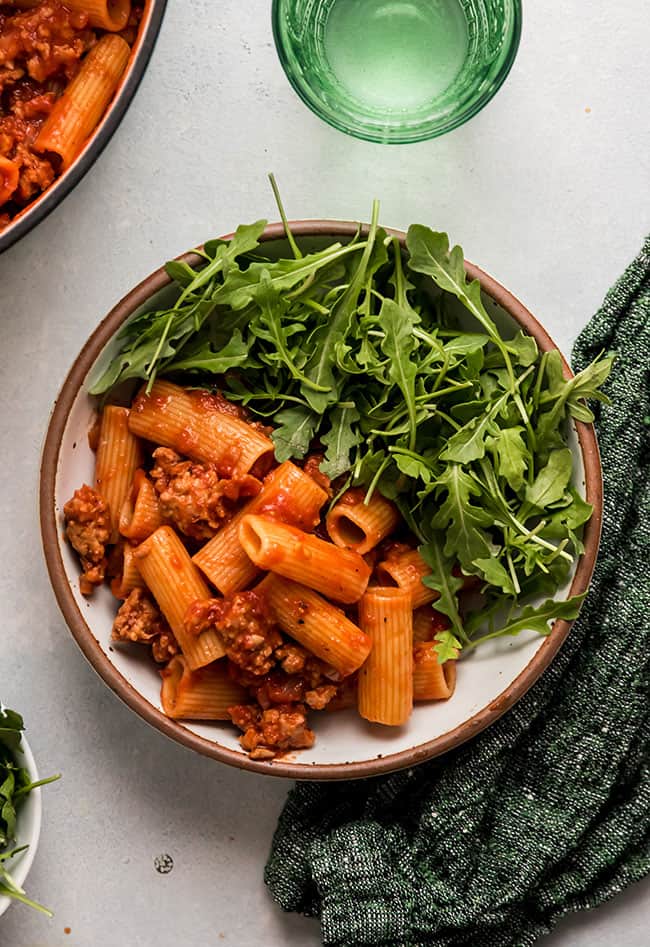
<point x="548" y="811"/>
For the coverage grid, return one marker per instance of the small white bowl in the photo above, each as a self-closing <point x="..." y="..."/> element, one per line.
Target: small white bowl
<point x="28" y="826"/>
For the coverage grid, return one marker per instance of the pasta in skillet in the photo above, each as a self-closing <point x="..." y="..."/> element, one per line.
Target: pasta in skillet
<point x="54" y="93"/>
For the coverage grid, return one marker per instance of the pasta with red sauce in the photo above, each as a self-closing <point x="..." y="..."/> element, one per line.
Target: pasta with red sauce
<point x="59" y="71"/>
<point x="279" y="619"/>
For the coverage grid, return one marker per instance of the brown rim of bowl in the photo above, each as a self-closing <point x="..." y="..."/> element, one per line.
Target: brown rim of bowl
<point x="282" y="767"/>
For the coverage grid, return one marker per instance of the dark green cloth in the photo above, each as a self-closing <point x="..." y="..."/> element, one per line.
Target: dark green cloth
<point x="548" y="811"/>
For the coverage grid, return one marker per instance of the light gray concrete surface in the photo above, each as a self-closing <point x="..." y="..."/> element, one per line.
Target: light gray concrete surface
<point x="547" y="189"/>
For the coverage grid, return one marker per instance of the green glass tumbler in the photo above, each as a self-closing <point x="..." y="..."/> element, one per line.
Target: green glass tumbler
<point x="396" y="71"/>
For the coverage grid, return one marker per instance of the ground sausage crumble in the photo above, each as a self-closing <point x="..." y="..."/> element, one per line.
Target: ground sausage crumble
<point x="248" y="630"/>
<point x="139" y="620"/>
<point x="88" y="528"/>
<point x="193" y="496"/>
<point x="283" y="679"/>
<point x="267" y="732"/>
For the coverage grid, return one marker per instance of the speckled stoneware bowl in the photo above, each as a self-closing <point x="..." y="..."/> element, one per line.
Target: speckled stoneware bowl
<point x="28" y="827"/>
<point x="45" y="203"/>
<point x="489" y="681"/>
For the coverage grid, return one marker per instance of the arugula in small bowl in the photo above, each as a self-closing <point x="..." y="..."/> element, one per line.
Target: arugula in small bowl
<point x="19" y="816"/>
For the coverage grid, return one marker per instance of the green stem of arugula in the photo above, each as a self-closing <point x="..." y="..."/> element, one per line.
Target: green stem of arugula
<point x="491" y="483"/>
<point x="18" y="896"/>
<point x="278" y="200"/>
<point x="314" y="306"/>
<point x="294" y="294"/>
<point x="151" y="367"/>
<point x="513" y="572"/>
<point x="41" y="782"/>
<point x="541" y="371"/>
<point x="375" y="480"/>
<point x="449" y="420"/>
<point x="404" y="452"/>
<point x="431" y="407"/>
<point x="400" y="291"/>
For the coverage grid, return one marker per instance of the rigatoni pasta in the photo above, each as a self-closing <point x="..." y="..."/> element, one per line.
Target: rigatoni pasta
<point x="118" y="457"/>
<point x="203" y="694"/>
<point x="361" y="525"/>
<point x="129" y="577"/>
<point x="386" y="679"/>
<point x="431" y="679"/>
<point x="340" y="574"/>
<point x="140" y="515"/>
<point x="75" y="115"/>
<point x="175" y="583"/>
<point x="191" y="423"/>
<point x="406" y="569"/>
<point x="321" y="627"/>
<point x="112" y="15"/>
<point x="289" y="495"/>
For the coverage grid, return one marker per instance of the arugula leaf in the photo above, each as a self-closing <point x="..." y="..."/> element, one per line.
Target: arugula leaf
<point x="468" y="443"/>
<point x="242" y="287"/>
<point x="524" y="348"/>
<point x="294" y="432"/>
<point x="325" y="338"/>
<point x="510" y="455"/>
<point x="495" y="574"/>
<point x="340" y="440"/>
<point x="430" y="254"/>
<point x="536" y="618"/>
<point x="551" y="482"/>
<point x="460" y="518"/>
<point x="199" y="355"/>
<point x="447" y="646"/>
<point x="11" y="727"/>
<point x="398" y="345"/>
<point x="446" y="584"/>
<point x="181" y="272"/>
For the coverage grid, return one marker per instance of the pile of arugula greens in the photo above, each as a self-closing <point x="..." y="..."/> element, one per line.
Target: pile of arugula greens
<point x="15" y="785"/>
<point x="361" y="348"/>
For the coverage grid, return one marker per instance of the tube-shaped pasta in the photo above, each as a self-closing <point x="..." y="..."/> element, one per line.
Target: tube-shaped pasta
<point x="175" y="583"/>
<point x="118" y="457"/>
<point x="431" y="680"/>
<point x="204" y="694"/>
<point x="406" y="570"/>
<point x="75" y="115"/>
<point x="340" y="574"/>
<point x="288" y="494"/>
<point x="316" y="624"/>
<point x="192" y="423"/>
<point x="361" y="526"/>
<point x="9" y="176"/>
<point x="427" y="623"/>
<point x="140" y="516"/>
<point x="130" y="577"/>
<point x="111" y="15"/>
<point x="386" y="679"/>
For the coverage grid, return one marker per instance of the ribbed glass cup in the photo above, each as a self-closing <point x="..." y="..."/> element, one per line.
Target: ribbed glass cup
<point x="406" y="88"/>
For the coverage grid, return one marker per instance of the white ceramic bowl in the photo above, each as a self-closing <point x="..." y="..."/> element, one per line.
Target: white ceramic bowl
<point x="489" y="681"/>
<point x="28" y="827"/>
